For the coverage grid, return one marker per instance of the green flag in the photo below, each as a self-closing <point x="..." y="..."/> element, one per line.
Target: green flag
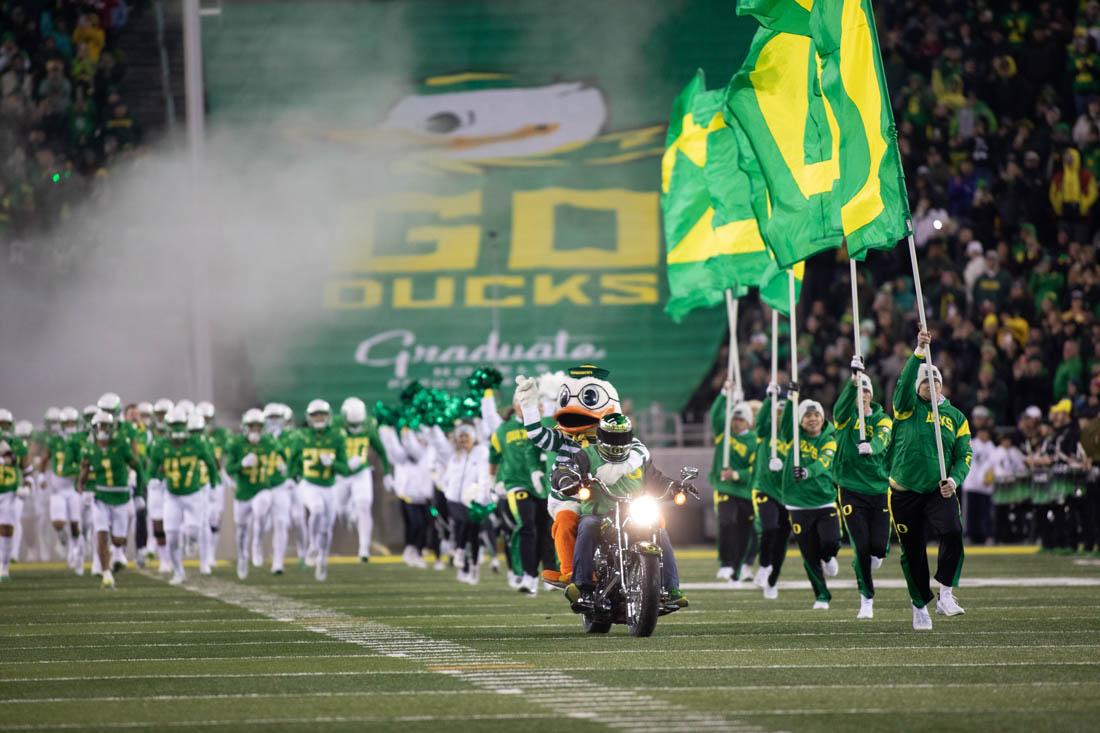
<point x="775" y="286"/>
<point x="707" y="251"/>
<point x="776" y="99"/>
<point x="785" y="16"/>
<point x="874" y="209"/>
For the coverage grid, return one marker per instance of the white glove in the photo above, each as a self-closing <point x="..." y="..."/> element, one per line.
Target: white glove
<point x="87" y="497"/>
<point x="527" y="392"/>
<point x="327" y="459"/>
<point x="865" y="449"/>
<point x="499" y="491"/>
<point x="387" y="482"/>
<point x="857" y="364"/>
<point x="355" y="462"/>
<point x="249" y="461"/>
<point x="775" y="464"/>
<point x="139" y="503"/>
<point x="772" y="390"/>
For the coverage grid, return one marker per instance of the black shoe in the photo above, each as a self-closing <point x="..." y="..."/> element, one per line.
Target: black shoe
<point x="364" y="559"/>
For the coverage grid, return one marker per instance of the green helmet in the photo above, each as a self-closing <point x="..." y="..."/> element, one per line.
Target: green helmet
<point x="614" y="436"/>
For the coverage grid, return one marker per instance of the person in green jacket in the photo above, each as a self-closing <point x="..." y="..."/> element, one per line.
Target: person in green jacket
<point x="860" y="471"/>
<point x="733" y="487"/>
<point x="810" y="495"/>
<point x="767" y="500"/>
<point x="921" y="503"/>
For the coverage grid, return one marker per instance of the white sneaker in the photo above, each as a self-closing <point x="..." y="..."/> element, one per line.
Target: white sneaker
<point x="746" y="572"/>
<point x="164" y="567"/>
<point x="242" y="567"/>
<point x="946" y="605"/>
<point x="771" y="592"/>
<point x="761" y="579"/>
<point x="529" y="585"/>
<point x="725" y="573"/>
<point x="513" y="580"/>
<point x="257" y="557"/>
<point x="830" y="567"/>
<point x="474" y="576"/>
<point x="439" y="565"/>
<point x="418" y="560"/>
<point x="459" y="558"/>
<point x="494" y="564"/>
<point x="737" y="584"/>
<point x="866" y="608"/>
<point x="206" y="570"/>
<point x="108" y="581"/>
<point x="320" y="571"/>
<point x="876" y="562"/>
<point x="311" y="558"/>
<point x="462" y="576"/>
<point x="921" y="620"/>
<point x="177" y="579"/>
<point x="821" y="606"/>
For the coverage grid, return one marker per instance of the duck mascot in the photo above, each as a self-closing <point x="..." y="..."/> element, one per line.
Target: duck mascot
<point x="584" y="397"/>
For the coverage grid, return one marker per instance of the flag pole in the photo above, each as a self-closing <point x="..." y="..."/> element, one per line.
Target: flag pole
<point x="733" y="374"/>
<point x="857" y="332"/>
<point x="774" y="463"/>
<point x="793" y="391"/>
<point x="927" y="354"/>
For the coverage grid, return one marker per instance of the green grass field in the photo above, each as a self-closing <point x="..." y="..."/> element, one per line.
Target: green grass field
<point x="384" y="646"/>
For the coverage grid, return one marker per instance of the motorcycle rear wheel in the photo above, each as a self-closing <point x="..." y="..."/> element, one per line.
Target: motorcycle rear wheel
<point x="648" y="570"/>
<point x="592" y="626"/>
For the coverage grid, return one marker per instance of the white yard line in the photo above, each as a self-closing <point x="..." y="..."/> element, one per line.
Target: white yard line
<point x="894" y="583"/>
<point x="621" y="709"/>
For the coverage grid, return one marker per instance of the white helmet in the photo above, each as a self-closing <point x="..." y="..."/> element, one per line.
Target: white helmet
<point x="922" y="375"/>
<point x="24" y="429"/>
<point x="103" y="425"/>
<point x="89" y="413"/>
<point x="354" y="411"/>
<point x="288" y="414"/>
<point x="70" y="420"/>
<point x="110" y="402"/>
<point x="52" y="416"/>
<point x="196" y="423"/>
<point x="145" y="409"/>
<point x="163" y="406"/>
<point x="252" y="423"/>
<point x="273" y="411"/>
<point x="176" y="421"/>
<point x="187" y="405"/>
<point x="206" y="409"/>
<point x="810" y="406"/>
<point x="743" y="411"/>
<point x="6" y="420"/>
<point x="318" y="414"/>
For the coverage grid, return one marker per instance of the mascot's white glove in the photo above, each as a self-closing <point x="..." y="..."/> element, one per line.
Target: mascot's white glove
<point x="354" y="463"/>
<point x="864" y="449"/>
<point x="249" y="461"/>
<point x="527" y="395"/>
<point x="139" y="503"/>
<point x="499" y="491"/>
<point x="327" y="459"/>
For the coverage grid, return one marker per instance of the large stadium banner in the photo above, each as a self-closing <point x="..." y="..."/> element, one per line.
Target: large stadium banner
<point x="520" y="227"/>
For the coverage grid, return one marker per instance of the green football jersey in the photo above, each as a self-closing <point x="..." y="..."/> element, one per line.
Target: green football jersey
<point x="765" y="480"/>
<point x="109" y="470"/>
<point x="263" y="474"/>
<point x="360" y="445"/>
<point x="319" y="456"/>
<point x="184" y="467"/>
<point x="816" y="456"/>
<point x="58" y="456"/>
<point x="864" y="474"/>
<point x="914" y="461"/>
<point x="515" y="457"/>
<point x="11" y="471"/>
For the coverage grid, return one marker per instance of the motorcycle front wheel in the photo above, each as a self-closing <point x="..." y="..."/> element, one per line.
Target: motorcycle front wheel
<point x="592" y="626"/>
<point x="643" y="591"/>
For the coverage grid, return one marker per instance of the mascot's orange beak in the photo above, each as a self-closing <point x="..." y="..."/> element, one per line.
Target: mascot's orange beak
<point x="575" y="420"/>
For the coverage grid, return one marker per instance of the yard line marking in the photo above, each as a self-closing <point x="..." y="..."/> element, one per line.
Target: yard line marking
<point x="219" y="675"/>
<point x="483" y="670"/>
<point x="334" y="719"/>
<point x="895" y="583"/>
<point x="237" y="696"/>
<point x="103" y="660"/>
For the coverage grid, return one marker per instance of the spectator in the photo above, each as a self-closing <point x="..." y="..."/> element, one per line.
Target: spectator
<point x="1070" y="369"/>
<point x="992" y="286"/>
<point x="1072" y="194"/>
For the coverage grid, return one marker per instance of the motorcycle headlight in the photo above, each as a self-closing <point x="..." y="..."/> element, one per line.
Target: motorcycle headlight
<point x="584" y="494"/>
<point x="644" y="511"/>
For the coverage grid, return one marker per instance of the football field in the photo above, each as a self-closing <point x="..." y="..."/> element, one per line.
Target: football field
<point x="388" y="647"/>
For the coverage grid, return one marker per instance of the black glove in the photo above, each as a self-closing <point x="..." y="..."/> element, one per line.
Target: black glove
<point x="800" y="474"/>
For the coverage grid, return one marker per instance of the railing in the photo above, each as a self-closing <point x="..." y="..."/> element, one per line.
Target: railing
<point x="165" y="69"/>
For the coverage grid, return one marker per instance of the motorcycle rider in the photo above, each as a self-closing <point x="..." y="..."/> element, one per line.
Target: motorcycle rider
<point x="622" y="463"/>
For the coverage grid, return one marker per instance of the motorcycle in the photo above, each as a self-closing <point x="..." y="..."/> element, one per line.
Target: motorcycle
<point x="628" y="561"/>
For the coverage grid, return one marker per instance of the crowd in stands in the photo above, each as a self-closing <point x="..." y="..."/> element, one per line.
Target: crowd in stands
<point x="64" y="120"/>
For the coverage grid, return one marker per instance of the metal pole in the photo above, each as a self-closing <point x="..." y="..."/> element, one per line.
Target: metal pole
<point x="774" y="464"/>
<point x="858" y="350"/>
<point x="203" y="386"/>
<point x="733" y="375"/>
<point x="927" y="357"/>
<point x="795" y="446"/>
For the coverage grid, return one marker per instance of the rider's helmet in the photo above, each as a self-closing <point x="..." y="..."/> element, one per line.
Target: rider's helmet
<point x="614" y="436"/>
